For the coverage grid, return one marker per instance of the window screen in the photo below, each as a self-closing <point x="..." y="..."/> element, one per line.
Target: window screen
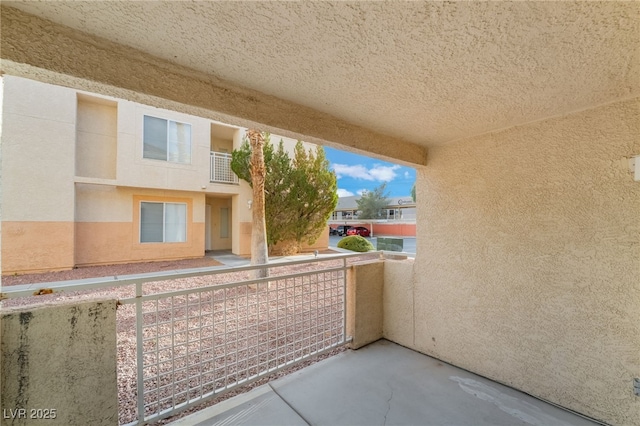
<point x="166" y="140"/>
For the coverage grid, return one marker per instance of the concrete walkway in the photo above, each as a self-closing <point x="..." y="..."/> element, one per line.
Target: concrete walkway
<point x="229" y="259"/>
<point x="381" y="384"/>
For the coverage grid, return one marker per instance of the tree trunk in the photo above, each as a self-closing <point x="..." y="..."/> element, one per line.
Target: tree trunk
<point x="259" y="253"/>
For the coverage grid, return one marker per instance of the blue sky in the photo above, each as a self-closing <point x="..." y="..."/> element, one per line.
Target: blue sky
<point x="357" y="173"/>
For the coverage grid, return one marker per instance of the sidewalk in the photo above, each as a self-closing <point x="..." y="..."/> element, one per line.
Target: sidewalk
<point x="229" y="259"/>
<point x="383" y="383"/>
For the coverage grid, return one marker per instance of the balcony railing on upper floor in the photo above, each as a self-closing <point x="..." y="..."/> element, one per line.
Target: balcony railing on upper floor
<point x="221" y="168"/>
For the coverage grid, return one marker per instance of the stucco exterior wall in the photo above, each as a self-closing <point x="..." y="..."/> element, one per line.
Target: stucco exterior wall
<point x="38" y="123"/>
<point x="37" y="246"/>
<point x="96" y="137"/>
<point x="72" y="162"/>
<point x="108" y="225"/>
<point x="36" y="48"/>
<point x="1" y="117"/>
<point x="397" y="302"/>
<point x="364" y="302"/>
<point x="59" y="357"/>
<point x="528" y="266"/>
<point x="38" y="166"/>
<point x="134" y="170"/>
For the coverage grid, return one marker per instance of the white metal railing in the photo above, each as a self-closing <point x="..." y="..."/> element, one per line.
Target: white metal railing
<point x="195" y="344"/>
<point x="221" y="168"/>
<point x="196" y="340"/>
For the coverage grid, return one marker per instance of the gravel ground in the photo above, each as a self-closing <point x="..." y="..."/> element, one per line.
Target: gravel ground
<point x="108" y="271"/>
<point x="210" y="340"/>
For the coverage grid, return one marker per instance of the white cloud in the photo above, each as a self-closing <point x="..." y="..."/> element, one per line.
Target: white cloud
<point x="406" y="175"/>
<point x="384" y="173"/>
<point x="361" y="191"/>
<point x="358" y="171"/>
<point x="344" y="193"/>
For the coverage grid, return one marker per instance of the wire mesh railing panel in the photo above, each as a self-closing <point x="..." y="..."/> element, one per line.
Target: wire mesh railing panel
<point x="221" y="168"/>
<point x="188" y="335"/>
<point x="203" y="342"/>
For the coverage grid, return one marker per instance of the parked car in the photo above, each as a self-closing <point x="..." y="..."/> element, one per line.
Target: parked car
<point x="339" y="230"/>
<point x="358" y="230"/>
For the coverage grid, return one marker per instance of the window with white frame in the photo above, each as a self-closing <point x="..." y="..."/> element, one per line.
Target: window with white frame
<point x="166" y="140"/>
<point x="163" y="222"/>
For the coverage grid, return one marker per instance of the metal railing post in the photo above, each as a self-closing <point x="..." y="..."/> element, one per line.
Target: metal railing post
<point x="344" y="299"/>
<point x="139" y="353"/>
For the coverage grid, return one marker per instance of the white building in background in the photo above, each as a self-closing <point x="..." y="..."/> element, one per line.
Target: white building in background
<point x="399" y="220"/>
<point x="398" y="209"/>
<point x="89" y="179"/>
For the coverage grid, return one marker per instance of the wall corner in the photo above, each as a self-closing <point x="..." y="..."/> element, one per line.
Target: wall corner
<point x="365" y="282"/>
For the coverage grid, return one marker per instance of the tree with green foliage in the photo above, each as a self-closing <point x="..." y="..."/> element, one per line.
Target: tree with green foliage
<point x="413" y="192"/>
<point x="300" y="193"/>
<point x="372" y="203"/>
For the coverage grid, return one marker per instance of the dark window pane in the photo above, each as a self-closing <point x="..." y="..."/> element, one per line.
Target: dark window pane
<point x="151" y="222"/>
<point x="155" y="138"/>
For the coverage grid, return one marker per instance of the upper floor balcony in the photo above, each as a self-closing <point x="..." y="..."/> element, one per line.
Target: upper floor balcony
<point x="221" y="168"/>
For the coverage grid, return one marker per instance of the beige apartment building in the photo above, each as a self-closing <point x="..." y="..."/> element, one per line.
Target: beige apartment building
<point x="91" y="180"/>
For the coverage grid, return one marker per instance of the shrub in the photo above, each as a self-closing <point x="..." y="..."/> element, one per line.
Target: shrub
<point x="355" y="243"/>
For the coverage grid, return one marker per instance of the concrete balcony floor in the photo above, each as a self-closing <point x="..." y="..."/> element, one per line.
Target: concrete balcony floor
<point x="383" y="383"/>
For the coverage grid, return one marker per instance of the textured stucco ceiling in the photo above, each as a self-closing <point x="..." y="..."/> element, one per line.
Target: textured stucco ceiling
<point x="425" y="72"/>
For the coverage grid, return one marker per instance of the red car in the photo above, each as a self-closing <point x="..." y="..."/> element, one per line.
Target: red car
<point x="358" y="230"/>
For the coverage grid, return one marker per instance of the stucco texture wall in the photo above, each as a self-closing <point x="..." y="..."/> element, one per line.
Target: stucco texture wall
<point x="37" y="196"/>
<point x="365" y="282"/>
<point x="107" y="225"/>
<point x="39" y="49"/>
<point x="528" y="267"/>
<point x="59" y="361"/>
<point x="397" y="301"/>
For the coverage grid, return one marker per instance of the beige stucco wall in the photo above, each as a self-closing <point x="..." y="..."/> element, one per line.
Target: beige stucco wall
<point x="1" y="117"/>
<point x="38" y="159"/>
<point x="60" y="357"/>
<point x="37" y="246"/>
<point x="60" y="144"/>
<point x="38" y="165"/>
<point x="364" y="302"/>
<point x="397" y="297"/>
<point x="107" y="225"/>
<point x="528" y="266"/>
<point x="40" y="49"/>
<point x="49" y="141"/>
<point x="134" y="170"/>
<point x="96" y="137"/>
<point x="56" y="141"/>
